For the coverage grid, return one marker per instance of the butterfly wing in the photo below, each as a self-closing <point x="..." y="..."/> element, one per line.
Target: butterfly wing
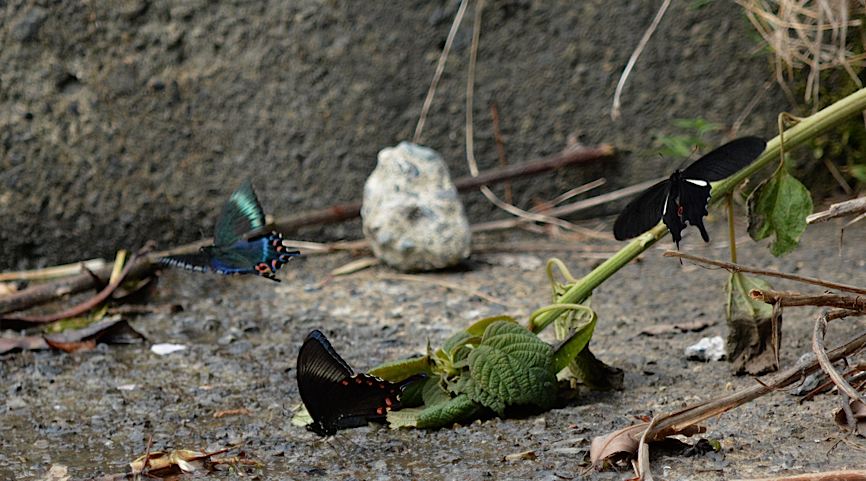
<point x="642" y="213"/>
<point x="261" y="255"/>
<point x="199" y="262"/>
<point x="726" y="159"/>
<point x="334" y="395"/>
<point x="241" y="215"/>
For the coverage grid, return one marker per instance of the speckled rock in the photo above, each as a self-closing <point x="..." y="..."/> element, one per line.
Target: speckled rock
<point x="411" y="214"/>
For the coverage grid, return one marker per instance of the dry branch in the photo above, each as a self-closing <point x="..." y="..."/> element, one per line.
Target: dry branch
<point x="731" y="267"/>
<point x="42" y="293"/>
<point x="792" y="299"/>
<point x="856" y="475"/>
<point x="820" y="351"/>
<point x="351" y="210"/>
<point x="850" y="207"/>
<point x="101" y="296"/>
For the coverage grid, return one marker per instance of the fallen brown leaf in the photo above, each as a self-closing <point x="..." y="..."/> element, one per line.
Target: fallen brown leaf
<point x="162" y="464"/>
<point x="22" y="343"/>
<point x="73" y="346"/>
<point x="231" y="412"/>
<point x="858" y="409"/>
<point x="624" y="442"/>
<point x="522" y="456"/>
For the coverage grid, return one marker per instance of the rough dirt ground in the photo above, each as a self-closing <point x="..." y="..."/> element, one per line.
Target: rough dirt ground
<point x="243" y="335"/>
<point x="127" y="119"/>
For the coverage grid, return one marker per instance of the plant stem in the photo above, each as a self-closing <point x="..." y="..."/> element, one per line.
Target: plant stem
<point x="808" y="128"/>
<point x="732" y="234"/>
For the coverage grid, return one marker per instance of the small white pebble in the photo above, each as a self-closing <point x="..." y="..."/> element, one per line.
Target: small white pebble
<point x="163" y="349"/>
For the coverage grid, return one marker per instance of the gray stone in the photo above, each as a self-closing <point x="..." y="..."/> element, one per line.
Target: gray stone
<point x="411" y="213"/>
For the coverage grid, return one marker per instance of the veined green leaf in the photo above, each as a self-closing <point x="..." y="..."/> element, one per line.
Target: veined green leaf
<point x="511" y="366"/>
<point x="459" y="409"/>
<point x="779" y="207"/>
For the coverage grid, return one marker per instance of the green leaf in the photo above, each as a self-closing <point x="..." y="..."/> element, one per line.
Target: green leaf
<point x="574" y="344"/>
<point x="858" y="171"/>
<point x="779" y="207"/>
<point x="302" y="417"/>
<point x="433" y="393"/>
<point x="511" y="366"/>
<point x="404" y="418"/>
<point x="594" y="373"/>
<point x="457" y="410"/>
<point x="401" y="369"/>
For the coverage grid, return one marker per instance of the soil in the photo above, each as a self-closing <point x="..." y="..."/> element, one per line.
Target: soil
<point x="93" y="411"/>
<point x="134" y="120"/>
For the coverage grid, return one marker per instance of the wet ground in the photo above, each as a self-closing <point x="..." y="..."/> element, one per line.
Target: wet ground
<point x="93" y="411"/>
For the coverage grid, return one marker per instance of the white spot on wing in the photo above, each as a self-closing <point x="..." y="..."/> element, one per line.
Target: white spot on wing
<point x="665" y="208"/>
<point x="702" y="183"/>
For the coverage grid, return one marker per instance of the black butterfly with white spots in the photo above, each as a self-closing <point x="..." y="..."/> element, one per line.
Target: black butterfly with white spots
<point x="682" y="199"/>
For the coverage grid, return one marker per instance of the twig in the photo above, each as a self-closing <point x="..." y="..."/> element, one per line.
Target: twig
<point x="790" y="299"/>
<point x="615" y="110"/>
<point x="500" y="150"/>
<point x="714" y="407"/>
<point x="730" y="267"/>
<point x="352" y="210"/>
<point x="853" y="475"/>
<point x="569" y="208"/>
<point x="849" y="207"/>
<point x="440" y="67"/>
<point x="15" y="321"/>
<point x="42" y="293"/>
<point x="821" y="353"/>
<point x="53" y="272"/>
<point x="470" y="142"/>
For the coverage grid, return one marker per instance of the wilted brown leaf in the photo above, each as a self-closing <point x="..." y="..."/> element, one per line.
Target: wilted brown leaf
<point x="73" y="346"/>
<point x="522" y="456"/>
<point x="858" y="409"/>
<point x="22" y="343"/>
<point x="624" y="442"/>
<point x="163" y="464"/>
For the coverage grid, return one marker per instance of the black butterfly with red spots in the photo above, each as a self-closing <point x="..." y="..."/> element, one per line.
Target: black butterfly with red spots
<point x="335" y="395"/>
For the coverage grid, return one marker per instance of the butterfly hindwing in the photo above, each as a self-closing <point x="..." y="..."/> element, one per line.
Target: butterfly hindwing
<point x="726" y="159"/>
<point x="241" y="215"/>
<point x="261" y="255"/>
<point x="642" y="213"/>
<point x="199" y="262"/>
<point x="335" y="395"/>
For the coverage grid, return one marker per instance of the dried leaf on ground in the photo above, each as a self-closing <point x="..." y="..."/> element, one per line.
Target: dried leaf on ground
<point x="111" y="331"/>
<point x="858" y="409"/>
<point x="623" y="443"/>
<point x="164" y="464"/>
<point x="22" y="343"/>
<point x="522" y="456"/>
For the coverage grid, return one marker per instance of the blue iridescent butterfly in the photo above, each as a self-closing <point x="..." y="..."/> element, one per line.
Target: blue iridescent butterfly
<point x="240" y="244"/>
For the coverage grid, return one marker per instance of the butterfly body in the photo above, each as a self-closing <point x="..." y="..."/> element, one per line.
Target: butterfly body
<point x="335" y="395"/>
<point x="682" y="199"/>
<point x="239" y="246"/>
